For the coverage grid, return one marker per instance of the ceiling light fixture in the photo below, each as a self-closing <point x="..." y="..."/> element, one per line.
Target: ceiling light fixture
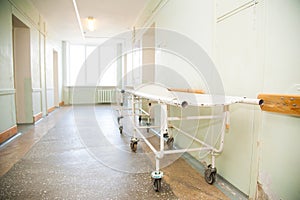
<point x="91" y="23"/>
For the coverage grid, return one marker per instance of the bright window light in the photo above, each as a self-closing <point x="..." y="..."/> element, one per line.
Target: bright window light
<point x="85" y="66"/>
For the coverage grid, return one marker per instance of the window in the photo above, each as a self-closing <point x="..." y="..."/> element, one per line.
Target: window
<point x="109" y="77"/>
<point x="87" y="65"/>
<point x="77" y="57"/>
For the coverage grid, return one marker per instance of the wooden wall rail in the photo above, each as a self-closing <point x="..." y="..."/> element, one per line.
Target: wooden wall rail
<point x="281" y="103"/>
<point x="5" y="135"/>
<point x="196" y="91"/>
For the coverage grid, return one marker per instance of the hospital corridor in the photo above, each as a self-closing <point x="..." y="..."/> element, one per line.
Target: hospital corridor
<point x="149" y="99"/>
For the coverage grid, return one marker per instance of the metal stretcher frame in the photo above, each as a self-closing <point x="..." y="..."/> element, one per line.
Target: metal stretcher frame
<point x="165" y="97"/>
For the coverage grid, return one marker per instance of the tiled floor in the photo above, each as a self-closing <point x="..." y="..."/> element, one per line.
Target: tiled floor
<point x="78" y="153"/>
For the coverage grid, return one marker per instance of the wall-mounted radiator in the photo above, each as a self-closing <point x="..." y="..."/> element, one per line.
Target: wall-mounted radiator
<point x="106" y="96"/>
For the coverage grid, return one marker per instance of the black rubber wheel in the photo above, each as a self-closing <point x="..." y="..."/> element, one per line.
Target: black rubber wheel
<point x="119" y="119"/>
<point x="170" y="141"/>
<point x="133" y="146"/>
<point x="157" y="185"/>
<point x="121" y="129"/>
<point x="210" y="175"/>
<point x="140" y="118"/>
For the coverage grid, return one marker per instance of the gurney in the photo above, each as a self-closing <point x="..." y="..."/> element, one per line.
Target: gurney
<point x="165" y="97"/>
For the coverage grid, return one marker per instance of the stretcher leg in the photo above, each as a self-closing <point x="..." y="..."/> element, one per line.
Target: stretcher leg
<point x="133" y="144"/>
<point x="121" y="114"/>
<point x="211" y="171"/>
<point x="157" y="176"/>
<point x="134" y="140"/>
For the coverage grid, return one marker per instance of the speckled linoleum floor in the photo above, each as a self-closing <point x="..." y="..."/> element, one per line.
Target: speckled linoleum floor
<point x="65" y="156"/>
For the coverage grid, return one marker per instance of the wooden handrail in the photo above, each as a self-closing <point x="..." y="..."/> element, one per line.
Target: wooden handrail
<point x="288" y="104"/>
<point x="196" y="91"/>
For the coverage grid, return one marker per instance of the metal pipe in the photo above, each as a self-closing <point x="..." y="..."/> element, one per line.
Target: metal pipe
<point x="143" y="111"/>
<point x="193" y="138"/>
<point x="146" y="140"/>
<point x="227" y="116"/>
<point x="186" y="150"/>
<point x="143" y="127"/>
<point x="163" y="124"/>
<point x="252" y="101"/>
<point x="213" y="161"/>
<point x="133" y="112"/>
<point x="156" y="164"/>
<point x="195" y="91"/>
<point x="195" y="117"/>
<point x="221" y="146"/>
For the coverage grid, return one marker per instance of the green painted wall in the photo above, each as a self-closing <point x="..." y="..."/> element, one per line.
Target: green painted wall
<point x="40" y="62"/>
<point x="280" y="150"/>
<point x="7" y="104"/>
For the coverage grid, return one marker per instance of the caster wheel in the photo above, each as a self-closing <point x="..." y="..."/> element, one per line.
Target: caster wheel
<point x="148" y="124"/>
<point x="119" y="119"/>
<point x="210" y="175"/>
<point x="157" y="185"/>
<point x="140" y="118"/>
<point x="121" y="129"/>
<point x="133" y="146"/>
<point x="170" y="141"/>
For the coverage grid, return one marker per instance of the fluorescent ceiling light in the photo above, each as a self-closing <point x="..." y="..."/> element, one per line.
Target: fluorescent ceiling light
<point x="91" y="23"/>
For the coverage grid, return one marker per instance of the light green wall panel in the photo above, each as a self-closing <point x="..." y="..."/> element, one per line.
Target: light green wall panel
<point x="36" y="101"/>
<point x="192" y="18"/>
<point x="280" y="159"/>
<point x="228" y="6"/>
<point x="7" y="99"/>
<point x="280" y="155"/>
<point x="237" y="51"/>
<point x="29" y="15"/>
<point x="50" y="98"/>
<point x="7" y="105"/>
<point x="6" y="69"/>
<point x="82" y="95"/>
<point x="35" y="59"/>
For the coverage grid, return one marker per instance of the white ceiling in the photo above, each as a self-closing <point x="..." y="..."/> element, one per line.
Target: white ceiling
<point x="111" y="17"/>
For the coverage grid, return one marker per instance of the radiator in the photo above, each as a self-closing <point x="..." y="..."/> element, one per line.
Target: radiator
<point x="106" y="96"/>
